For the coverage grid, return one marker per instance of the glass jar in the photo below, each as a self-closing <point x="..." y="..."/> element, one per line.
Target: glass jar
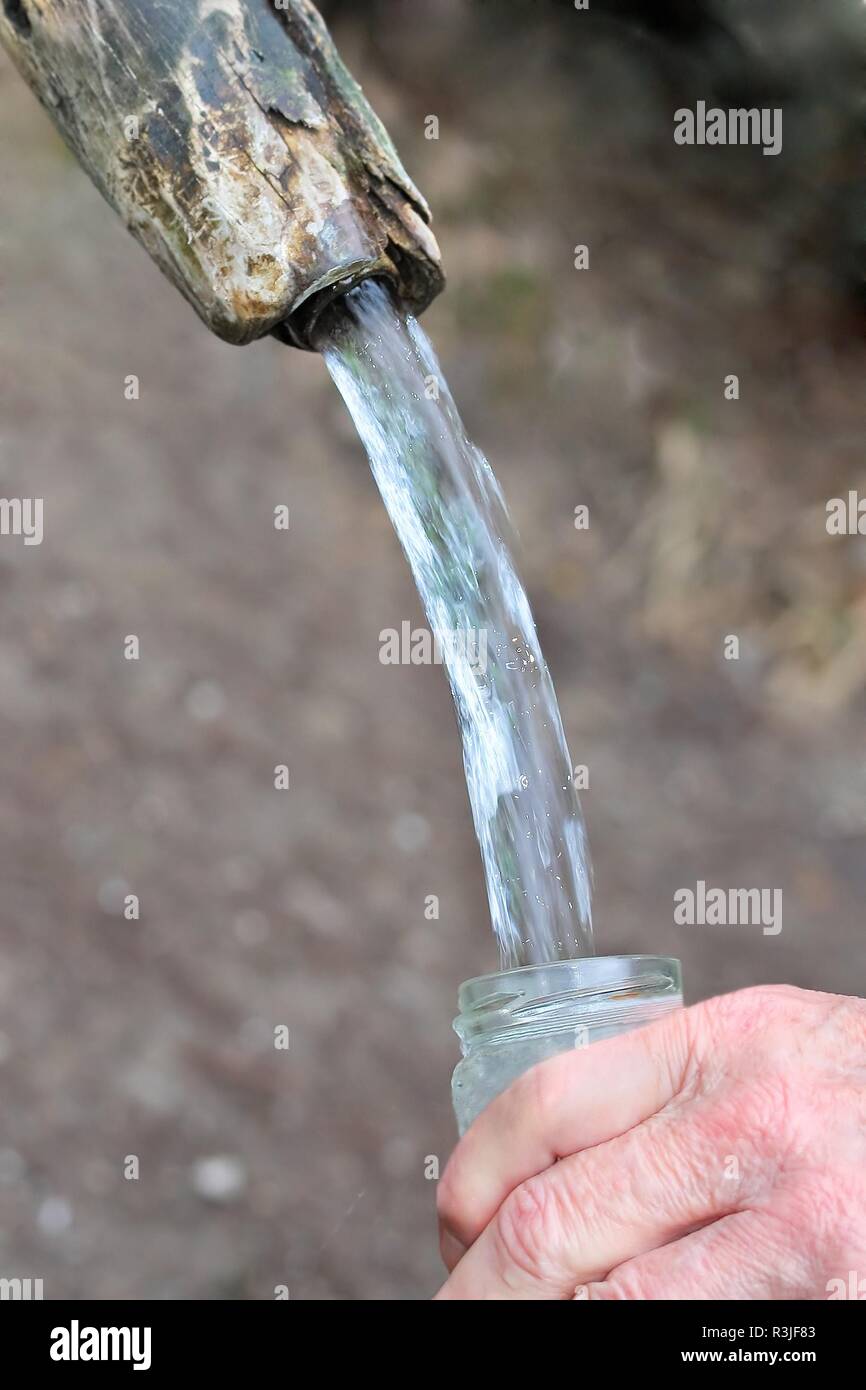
<point x="512" y="1020"/>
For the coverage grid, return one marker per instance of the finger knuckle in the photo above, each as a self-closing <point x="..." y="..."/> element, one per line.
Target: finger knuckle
<point x="627" y="1283"/>
<point x="528" y="1229"/>
<point x="757" y="1026"/>
<point x="819" y="1212"/>
<point x="446" y="1192"/>
<point x="753" y="1120"/>
<point x="847" y="1016"/>
<point x="452" y="1199"/>
<point x="750" y="1010"/>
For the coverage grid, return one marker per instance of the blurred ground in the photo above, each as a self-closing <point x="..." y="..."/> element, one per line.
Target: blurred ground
<point x="605" y="387"/>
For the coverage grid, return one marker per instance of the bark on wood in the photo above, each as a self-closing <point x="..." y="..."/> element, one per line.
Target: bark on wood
<point x="236" y="147"/>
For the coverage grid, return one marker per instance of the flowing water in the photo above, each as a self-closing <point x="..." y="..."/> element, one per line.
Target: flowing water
<point x="448" y="512"/>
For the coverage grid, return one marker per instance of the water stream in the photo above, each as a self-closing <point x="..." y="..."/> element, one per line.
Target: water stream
<point x="449" y="515"/>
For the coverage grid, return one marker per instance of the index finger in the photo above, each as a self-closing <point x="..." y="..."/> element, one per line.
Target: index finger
<point x="570" y="1102"/>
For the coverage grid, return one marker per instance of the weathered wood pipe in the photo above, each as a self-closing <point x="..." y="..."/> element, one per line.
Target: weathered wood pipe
<point x="236" y="147"/>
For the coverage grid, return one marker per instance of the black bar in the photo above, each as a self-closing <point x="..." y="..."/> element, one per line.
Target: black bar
<point x="233" y="1338"/>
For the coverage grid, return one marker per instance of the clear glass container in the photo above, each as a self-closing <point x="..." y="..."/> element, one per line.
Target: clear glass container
<point x="510" y="1021"/>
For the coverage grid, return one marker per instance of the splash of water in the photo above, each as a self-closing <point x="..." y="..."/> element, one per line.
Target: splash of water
<point x="449" y="515"/>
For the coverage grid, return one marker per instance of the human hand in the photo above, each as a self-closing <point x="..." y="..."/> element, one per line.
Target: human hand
<point x="719" y="1153"/>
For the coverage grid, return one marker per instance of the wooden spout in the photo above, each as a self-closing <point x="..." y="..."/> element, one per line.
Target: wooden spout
<point x="236" y="147"/>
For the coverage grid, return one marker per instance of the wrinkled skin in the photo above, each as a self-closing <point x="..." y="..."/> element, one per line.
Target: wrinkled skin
<point x="718" y="1154"/>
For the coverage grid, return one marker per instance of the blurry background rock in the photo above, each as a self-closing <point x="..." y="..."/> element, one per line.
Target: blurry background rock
<point x="260" y="1166"/>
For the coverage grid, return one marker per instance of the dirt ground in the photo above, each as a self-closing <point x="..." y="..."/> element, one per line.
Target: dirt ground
<point x="153" y="1039"/>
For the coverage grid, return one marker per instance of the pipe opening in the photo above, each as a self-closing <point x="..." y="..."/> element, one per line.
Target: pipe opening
<point x="299" y="329"/>
<point x="16" y="12"/>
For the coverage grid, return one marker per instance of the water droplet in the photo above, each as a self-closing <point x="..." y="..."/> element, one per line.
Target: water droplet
<point x="54" y="1216"/>
<point x="219" y="1178"/>
<point x="205" y="701"/>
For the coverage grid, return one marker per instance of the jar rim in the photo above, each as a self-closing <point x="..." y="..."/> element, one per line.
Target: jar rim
<point x="594" y="969"/>
<point x="562" y="994"/>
